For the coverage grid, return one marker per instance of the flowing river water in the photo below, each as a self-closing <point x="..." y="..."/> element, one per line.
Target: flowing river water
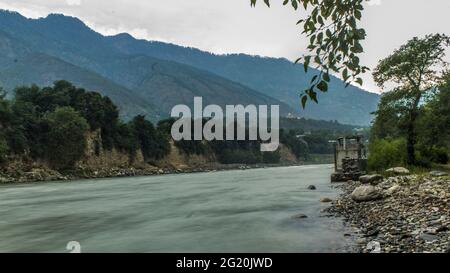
<point x="228" y="211"/>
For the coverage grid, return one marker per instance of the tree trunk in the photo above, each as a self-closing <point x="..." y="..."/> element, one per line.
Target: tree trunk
<point x="411" y="132"/>
<point x="410" y="143"/>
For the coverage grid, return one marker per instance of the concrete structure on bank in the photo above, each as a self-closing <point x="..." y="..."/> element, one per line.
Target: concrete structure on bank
<point x="350" y="159"/>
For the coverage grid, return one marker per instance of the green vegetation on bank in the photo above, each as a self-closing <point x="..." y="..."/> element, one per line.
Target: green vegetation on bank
<point x="412" y="125"/>
<point x="52" y="123"/>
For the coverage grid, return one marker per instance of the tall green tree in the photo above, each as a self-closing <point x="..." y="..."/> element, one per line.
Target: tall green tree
<point x="415" y="70"/>
<point x="334" y="40"/>
<point x="154" y="144"/>
<point x="5" y="119"/>
<point x="66" y="137"/>
<point x="433" y="125"/>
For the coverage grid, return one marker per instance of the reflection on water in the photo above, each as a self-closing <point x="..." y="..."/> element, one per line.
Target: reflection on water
<point x="231" y="211"/>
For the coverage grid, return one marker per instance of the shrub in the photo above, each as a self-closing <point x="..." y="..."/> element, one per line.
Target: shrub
<point x="239" y="157"/>
<point x="386" y="153"/>
<point x="271" y="157"/>
<point x="3" y="149"/>
<point x="433" y="154"/>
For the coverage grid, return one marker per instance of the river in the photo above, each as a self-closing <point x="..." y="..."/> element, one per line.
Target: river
<point x="228" y="211"/>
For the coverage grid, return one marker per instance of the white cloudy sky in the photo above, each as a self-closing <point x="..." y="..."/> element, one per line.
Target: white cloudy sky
<point x="232" y="26"/>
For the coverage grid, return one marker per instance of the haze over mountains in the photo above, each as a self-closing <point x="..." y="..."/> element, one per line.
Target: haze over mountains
<point x="149" y="78"/>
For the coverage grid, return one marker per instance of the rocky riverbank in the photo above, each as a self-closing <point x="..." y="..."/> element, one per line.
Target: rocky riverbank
<point x="42" y="174"/>
<point x="400" y="214"/>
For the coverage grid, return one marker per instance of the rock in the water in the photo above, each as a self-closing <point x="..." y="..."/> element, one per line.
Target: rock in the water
<point x="300" y="216"/>
<point x="371" y="179"/>
<point x="312" y="187"/>
<point x="326" y="200"/>
<point x="398" y="171"/>
<point x="366" y="193"/>
<point x="438" y="173"/>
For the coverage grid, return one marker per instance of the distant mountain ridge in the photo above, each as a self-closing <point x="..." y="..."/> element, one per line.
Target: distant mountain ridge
<point x="151" y="77"/>
<point x="275" y="77"/>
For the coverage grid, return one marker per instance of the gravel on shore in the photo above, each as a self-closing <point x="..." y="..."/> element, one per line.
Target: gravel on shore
<point x="411" y="217"/>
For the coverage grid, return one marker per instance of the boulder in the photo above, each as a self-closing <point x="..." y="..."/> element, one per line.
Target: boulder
<point x="398" y="171"/>
<point x="438" y="173"/>
<point x="366" y="193"/>
<point x="371" y="179"/>
<point x="312" y="187"/>
<point x="326" y="200"/>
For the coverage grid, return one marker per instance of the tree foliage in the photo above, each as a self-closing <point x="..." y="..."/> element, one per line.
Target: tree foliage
<point x="334" y="41"/>
<point x="153" y="143"/>
<point x="51" y="124"/>
<point x="66" y="137"/>
<point x="386" y="153"/>
<point x="416" y="70"/>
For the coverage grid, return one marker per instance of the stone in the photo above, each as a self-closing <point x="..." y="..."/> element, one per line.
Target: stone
<point x="428" y="237"/>
<point x="300" y="216"/>
<point x="438" y="173"/>
<point x="366" y="193"/>
<point x="398" y="171"/>
<point x="442" y="229"/>
<point x="338" y="177"/>
<point x="372" y="233"/>
<point x="392" y="190"/>
<point x="326" y="200"/>
<point x="312" y="187"/>
<point x="4" y="180"/>
<point x="371" y="179"/>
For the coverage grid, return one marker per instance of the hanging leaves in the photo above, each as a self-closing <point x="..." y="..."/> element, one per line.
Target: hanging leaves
<point x="334" y="41"/>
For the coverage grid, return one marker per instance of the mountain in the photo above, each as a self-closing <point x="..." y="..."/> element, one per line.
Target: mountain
<point x="161" y="75"/>
<point x="278" y="78"/>
<point x="43" y="70"/>
<point x="60" y="47"/>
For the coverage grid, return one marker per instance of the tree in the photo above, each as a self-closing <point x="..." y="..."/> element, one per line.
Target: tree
<point x="433" y="126"/>
<point x="5" y="117"/>
<point x="66" y="138"/>
<point x="100" y="112"/>
<point x="416" y="69"/>
<point x="154" y="144"/>
<point x="334" y="41"/>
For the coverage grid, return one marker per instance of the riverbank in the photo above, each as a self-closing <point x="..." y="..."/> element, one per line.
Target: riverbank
<point x="42" y="174"/>
<point x="407" y="214"/>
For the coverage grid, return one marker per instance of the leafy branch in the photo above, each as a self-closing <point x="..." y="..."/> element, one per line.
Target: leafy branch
<point x="334" y="41"/>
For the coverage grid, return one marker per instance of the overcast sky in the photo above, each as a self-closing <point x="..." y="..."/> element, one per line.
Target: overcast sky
<point x="232" y="26"/>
